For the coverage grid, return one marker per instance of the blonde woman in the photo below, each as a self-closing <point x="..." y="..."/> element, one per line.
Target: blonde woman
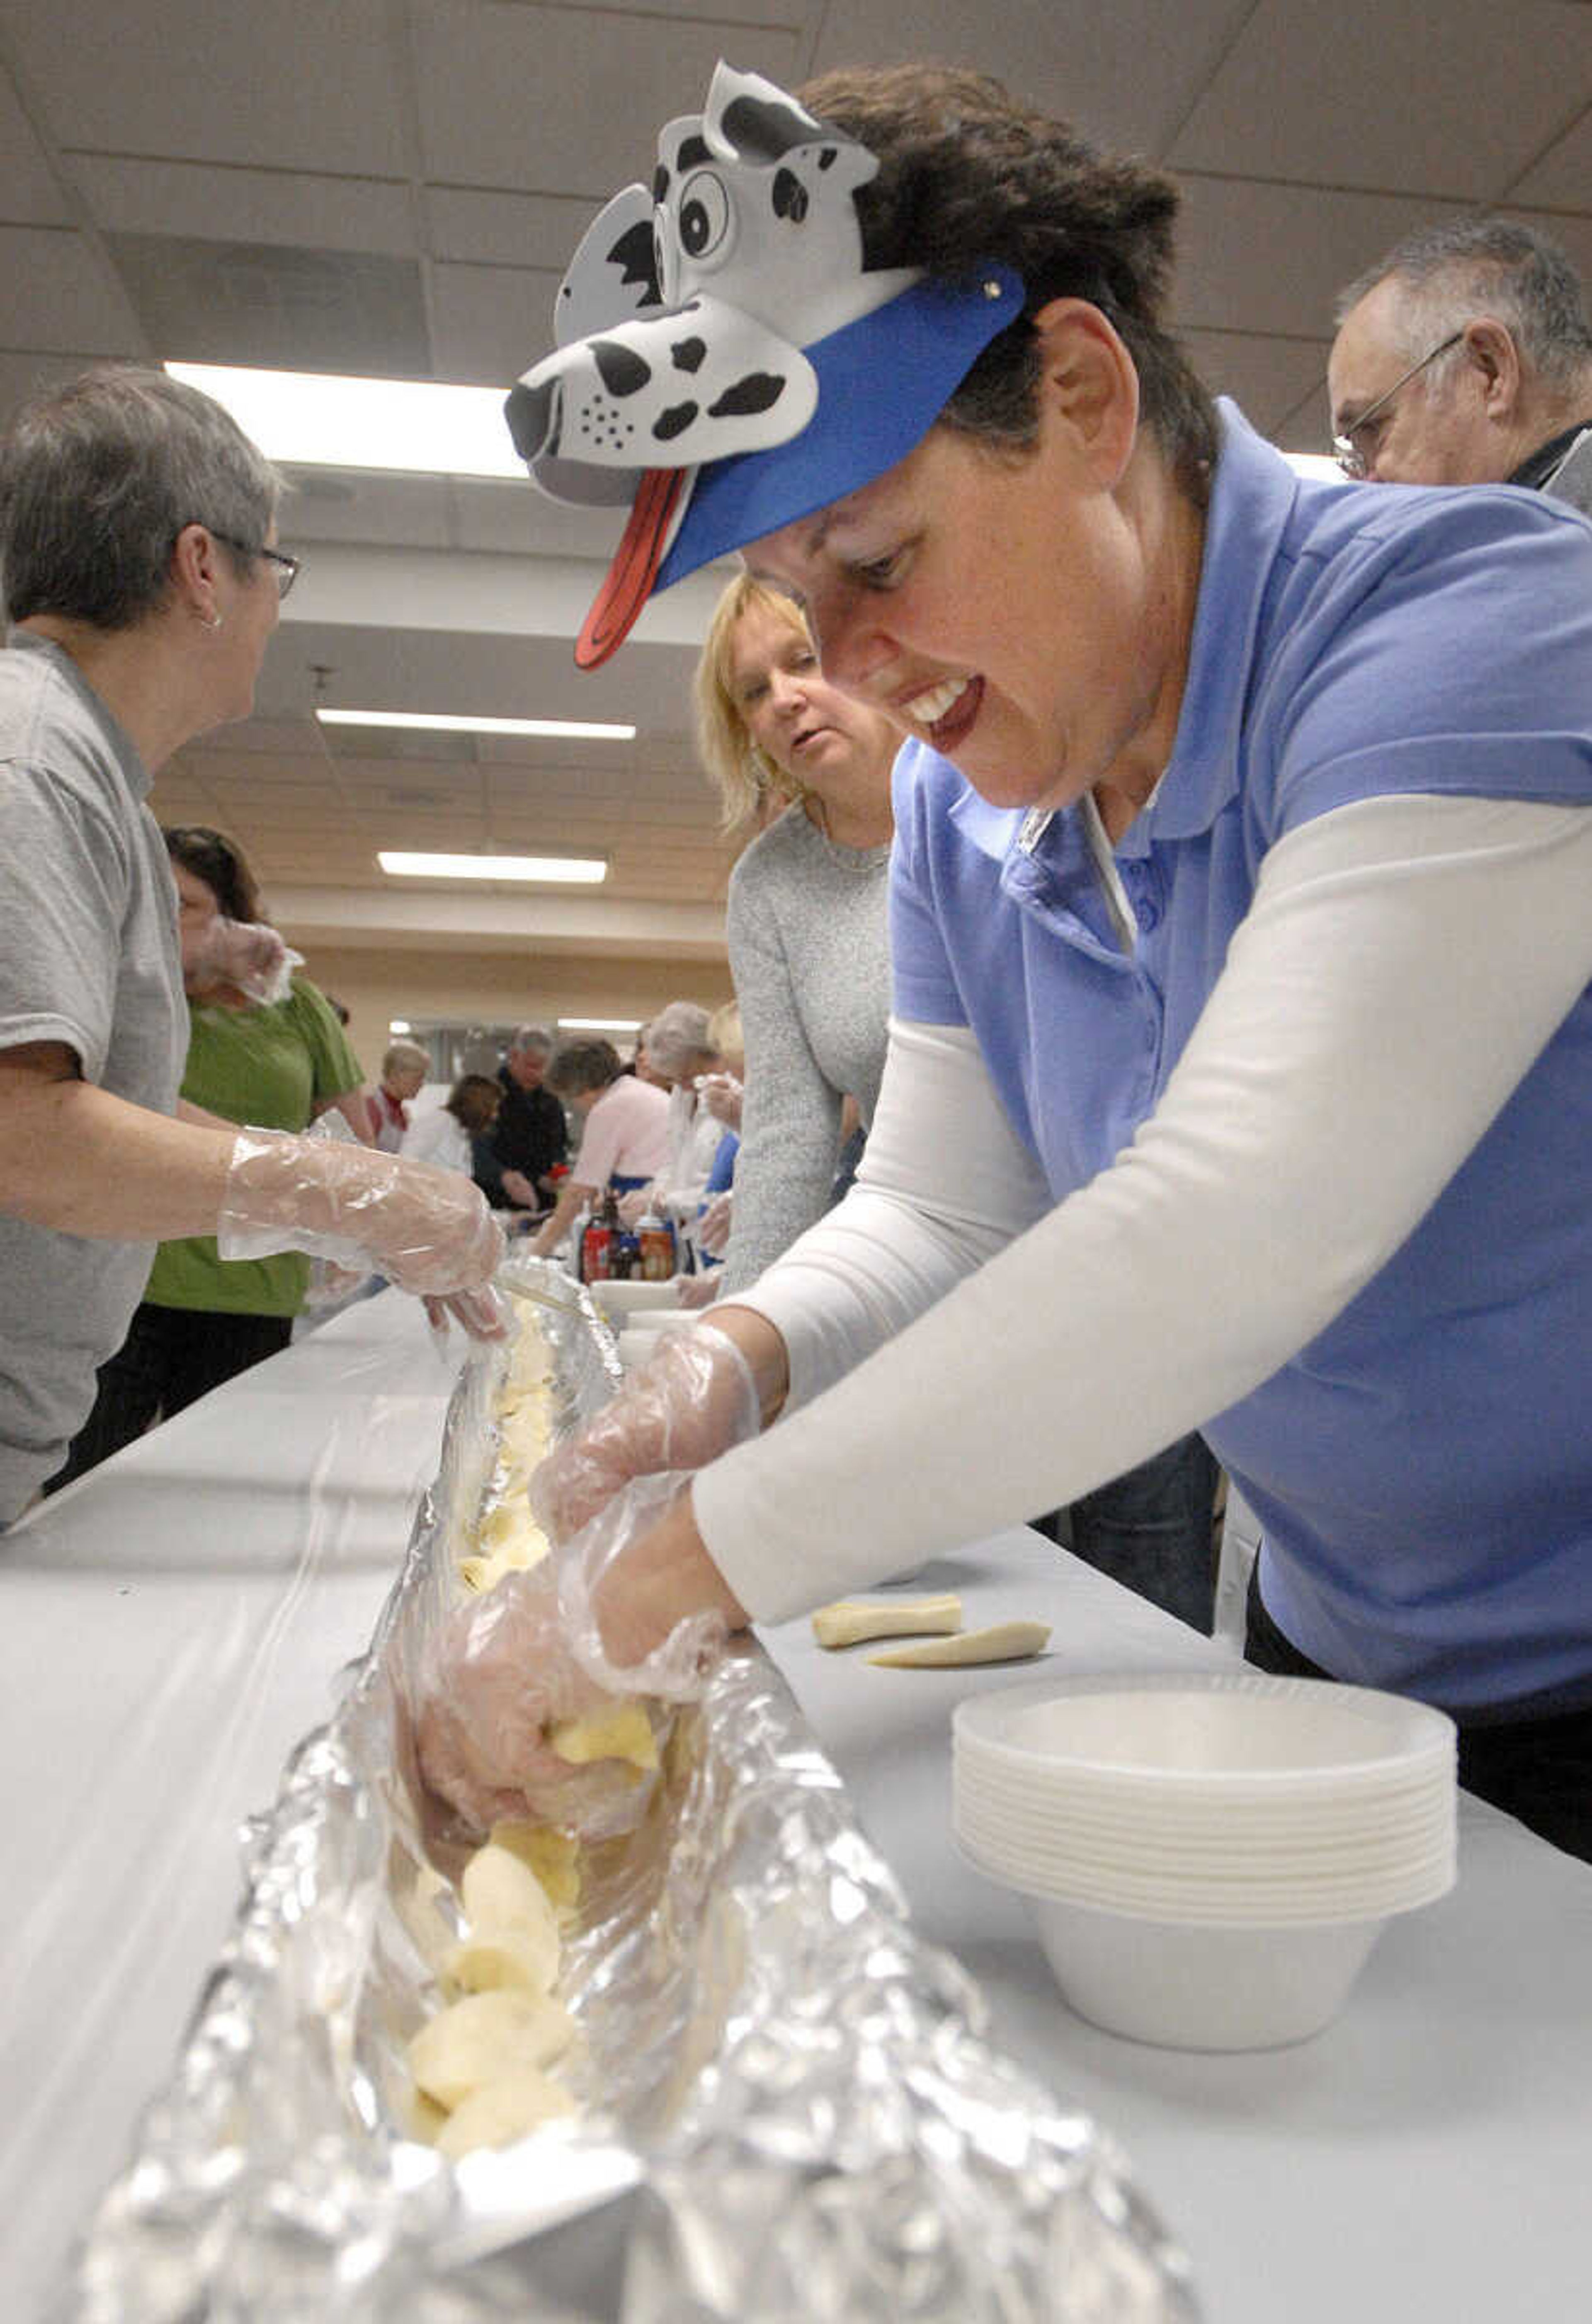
<point x="809" y="945"/>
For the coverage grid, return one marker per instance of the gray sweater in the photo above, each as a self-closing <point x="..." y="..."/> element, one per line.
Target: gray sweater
<point x="810" y="956"/>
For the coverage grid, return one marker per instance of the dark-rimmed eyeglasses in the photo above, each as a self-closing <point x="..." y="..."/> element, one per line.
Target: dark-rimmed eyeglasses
<point x="286" y="567"/>
<point x="1350" y="449"/>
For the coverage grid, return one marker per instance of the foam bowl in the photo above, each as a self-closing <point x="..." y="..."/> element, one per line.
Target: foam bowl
<point x="1188" y="1986"/>
<point x="622" y="1297"/>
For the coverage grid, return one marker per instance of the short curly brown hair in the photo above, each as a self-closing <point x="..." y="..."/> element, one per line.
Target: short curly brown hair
<point x="968" y="177"/>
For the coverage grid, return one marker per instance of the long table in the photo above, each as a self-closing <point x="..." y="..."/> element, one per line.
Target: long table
<point x="173" y="1624"/>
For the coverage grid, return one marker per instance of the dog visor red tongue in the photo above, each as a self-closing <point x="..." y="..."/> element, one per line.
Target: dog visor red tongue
<point x="634" y="569"/>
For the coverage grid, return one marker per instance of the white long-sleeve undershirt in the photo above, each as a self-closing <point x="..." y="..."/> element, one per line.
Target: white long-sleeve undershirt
<point x="1402" y="962"/>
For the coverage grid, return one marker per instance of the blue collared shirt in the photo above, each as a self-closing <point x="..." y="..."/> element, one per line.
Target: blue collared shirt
<point x="1424" y="1467"/>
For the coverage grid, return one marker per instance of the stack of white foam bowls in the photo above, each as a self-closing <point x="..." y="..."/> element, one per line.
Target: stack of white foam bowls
<point x="1210" y="1855"/>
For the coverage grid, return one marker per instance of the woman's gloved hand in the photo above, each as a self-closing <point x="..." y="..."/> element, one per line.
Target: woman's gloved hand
<point x="722" y="1094"/>
<point x="236" y="962"/>
<point x="713" y="1228"/>
<point x="428" y="1230"/>
<point x="632" y="1610"/>
<point x="692" y="1400"/>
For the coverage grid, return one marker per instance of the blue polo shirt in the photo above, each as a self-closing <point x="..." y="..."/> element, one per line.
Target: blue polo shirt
<point x="1424" y="1467"/>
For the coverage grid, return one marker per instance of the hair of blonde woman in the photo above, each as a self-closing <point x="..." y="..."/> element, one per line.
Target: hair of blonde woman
<point x="747" y="780"/>
<point x="724" y="1034"/>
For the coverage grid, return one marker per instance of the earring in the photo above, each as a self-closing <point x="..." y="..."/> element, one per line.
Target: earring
<point x="210" y="621"/>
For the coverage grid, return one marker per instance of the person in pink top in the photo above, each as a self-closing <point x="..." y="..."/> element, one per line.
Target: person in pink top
<point x="624" y="1143"/>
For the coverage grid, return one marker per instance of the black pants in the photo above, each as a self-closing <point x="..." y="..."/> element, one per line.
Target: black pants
<point x="1538" y="1769"/>
<point x="170" y="1356"/>
<point x="1153" y="1530"/>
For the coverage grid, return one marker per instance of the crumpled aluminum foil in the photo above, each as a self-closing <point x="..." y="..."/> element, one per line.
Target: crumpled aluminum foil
<point x="788" y="2107"/>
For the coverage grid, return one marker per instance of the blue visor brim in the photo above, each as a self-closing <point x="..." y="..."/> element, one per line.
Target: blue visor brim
<point x="882" y="382"/>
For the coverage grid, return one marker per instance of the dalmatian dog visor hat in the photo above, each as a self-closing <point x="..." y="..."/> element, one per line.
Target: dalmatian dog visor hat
<point x="725" y="364"/>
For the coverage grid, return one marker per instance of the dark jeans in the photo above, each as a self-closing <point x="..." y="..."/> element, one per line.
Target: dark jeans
<point x="170" y="1356"/>
<point x="1538" y="1769"/>
<point x="1153" y="1530"/>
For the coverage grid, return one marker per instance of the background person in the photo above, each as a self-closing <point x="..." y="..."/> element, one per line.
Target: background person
<point x="1464" y="356"/>
<point x="142" y="578"/>
<point x="806" y="921"/>
<point x="624" y="1133"/>
<point x="516" y="1161"/>
<point x="1239" y="901"/>
<point x="446" y="1137"/>
<point x="404" y="1068"/>
<point x="679" y="1053"/>
<point x="203" y="1319"/>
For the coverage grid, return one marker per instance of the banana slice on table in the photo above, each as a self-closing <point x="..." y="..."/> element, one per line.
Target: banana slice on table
<point x="1003" y="1642"/>
<point x="850" y="1620"/>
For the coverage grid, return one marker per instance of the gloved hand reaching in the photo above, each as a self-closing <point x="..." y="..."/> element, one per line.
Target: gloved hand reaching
<point x="428" y="1230"/>
<point x="242" y="956"/>
<point x="629" y="1611"/>
<point x="692" y="1400"/>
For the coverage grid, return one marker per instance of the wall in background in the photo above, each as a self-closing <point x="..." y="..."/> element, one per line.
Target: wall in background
<point x="500" y="989"/>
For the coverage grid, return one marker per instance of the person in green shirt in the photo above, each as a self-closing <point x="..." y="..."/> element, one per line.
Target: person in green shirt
<point x="275" y="1065"/>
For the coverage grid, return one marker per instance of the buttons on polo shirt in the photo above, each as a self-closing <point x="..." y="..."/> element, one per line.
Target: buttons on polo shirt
<point x="1144" y="892"/>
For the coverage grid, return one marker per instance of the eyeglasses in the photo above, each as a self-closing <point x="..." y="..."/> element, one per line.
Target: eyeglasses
<point x="288" y="567"/>
<point x="1351" y="451"/>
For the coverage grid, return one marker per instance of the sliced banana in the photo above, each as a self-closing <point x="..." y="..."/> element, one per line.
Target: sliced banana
<point x="622" y="1731"/>
<point x="1003" y="1642"/>
<point x="551" y="1854"/>
<point x="487" y="2037"/>
<point x="500" y="2112"/>
<point x="852" y="1619"/>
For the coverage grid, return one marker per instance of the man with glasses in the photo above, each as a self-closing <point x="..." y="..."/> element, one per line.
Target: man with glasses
<point x="1464" y="356"/>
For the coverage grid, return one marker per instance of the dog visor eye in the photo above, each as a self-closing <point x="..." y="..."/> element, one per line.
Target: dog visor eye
<point x="704" y="215"/>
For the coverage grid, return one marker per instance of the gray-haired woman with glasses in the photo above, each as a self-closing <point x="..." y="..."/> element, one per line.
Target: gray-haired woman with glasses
<point x="143" y="581"/>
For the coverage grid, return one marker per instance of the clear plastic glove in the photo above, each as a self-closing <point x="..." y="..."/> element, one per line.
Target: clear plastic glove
<point x="634" y="1206"/>
<point x="696" y="1290"/>
<point x="428" y="1230"/>
<point x="713" y="1228"/>
<point x="607" y="1619"/>
<point x="722" y="1096"/>
<point x="242" y="956"/>
<point x="692" y="1400"/>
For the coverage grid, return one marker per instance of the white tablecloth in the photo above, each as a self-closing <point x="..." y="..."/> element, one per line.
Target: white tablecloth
<point x="172" y="1625"/>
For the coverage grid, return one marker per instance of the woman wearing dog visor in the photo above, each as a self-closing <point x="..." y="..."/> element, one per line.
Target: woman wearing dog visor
<point x="1241" y="1060"/>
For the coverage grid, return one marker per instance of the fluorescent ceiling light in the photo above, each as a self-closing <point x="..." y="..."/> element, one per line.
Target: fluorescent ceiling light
<point x="601" y="1024"/>
<point x="441" y="721"/>
<point x="399" y="1025"/>
<point x="404" y="866"/>
<point x="320" y="421"/>
<point x="1321" y="465"/>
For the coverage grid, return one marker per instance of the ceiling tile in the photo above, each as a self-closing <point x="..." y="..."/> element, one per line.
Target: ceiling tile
<point x="201" y="200"/>
<point x="1126" y="71"/>
<point x="489" y="323"/>
<point x="255" y="302"/>
<point x="1266" y="378"/>
<point x="518" y="520"/>
<point x="498" y="229"/>
<point x="290" y="84"/>
<point x="406" y="511"/>
<point x="55" y="295"/>
<point x="549" y="100"/>
<point x="1450" y="105"/>
<point x="1562" y="179"/>
<point x="1271" y="259"/>
<point x="29" y="193"/>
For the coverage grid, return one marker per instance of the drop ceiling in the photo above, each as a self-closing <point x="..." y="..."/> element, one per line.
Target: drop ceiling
<point x="391" y="186"/>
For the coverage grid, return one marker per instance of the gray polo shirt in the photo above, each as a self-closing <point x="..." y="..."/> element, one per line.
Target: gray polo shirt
<point x="88" y="956"/>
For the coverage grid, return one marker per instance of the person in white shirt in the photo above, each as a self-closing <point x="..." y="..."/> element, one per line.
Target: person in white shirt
<point x="442" y="1138"/>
